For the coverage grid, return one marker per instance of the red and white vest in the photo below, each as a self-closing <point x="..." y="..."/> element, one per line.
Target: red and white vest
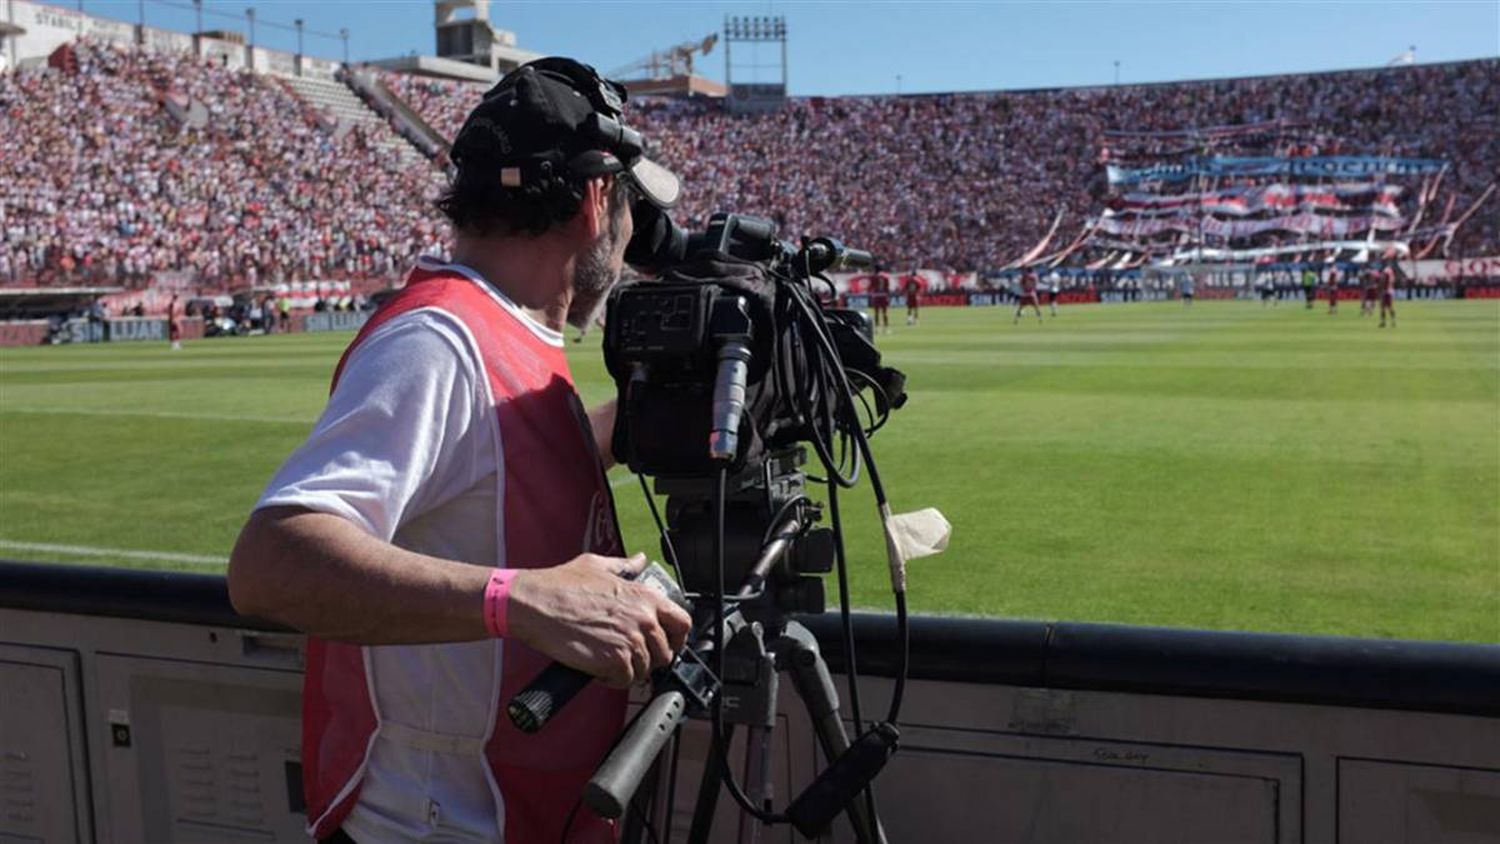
<point x="553" y="503"/>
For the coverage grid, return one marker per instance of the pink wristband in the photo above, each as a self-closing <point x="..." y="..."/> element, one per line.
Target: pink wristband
<point x="497" y="601"/>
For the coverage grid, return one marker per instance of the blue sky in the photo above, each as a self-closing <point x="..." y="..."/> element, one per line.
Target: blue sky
<point x="863" y="47"/>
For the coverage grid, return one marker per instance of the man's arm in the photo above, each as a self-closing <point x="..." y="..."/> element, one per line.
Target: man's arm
<point x="323" y="575"/>
<point x="602" y="420"/>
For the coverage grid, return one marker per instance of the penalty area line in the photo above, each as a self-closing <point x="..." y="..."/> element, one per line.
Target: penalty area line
<point x="117" y="553"/>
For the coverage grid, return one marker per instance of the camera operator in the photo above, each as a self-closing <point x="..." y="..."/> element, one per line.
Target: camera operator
<point x="447" y="529"/>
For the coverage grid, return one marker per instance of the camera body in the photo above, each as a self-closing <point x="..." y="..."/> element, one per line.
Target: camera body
<point x="729" y="293"/>
<point x="730" y="363"/>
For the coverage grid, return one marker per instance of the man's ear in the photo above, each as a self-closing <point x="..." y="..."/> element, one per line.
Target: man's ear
<point x="594" y="210"/>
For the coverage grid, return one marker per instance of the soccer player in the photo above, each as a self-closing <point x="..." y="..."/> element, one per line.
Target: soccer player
<point x="1054" y="291"/>
<point x="1388" y="294"/>
<point x="913" y="290"/>
<point x="1333" y="290"/>
<point x="174" y="329"/>
<point x="880" y="300"/>
<point x="1187" y="286"/>
<point x="1028" y="297"/>
<point x="1309" y="285"/>
<point x="1267" y="285"/>
<point x="1370" y="290"/>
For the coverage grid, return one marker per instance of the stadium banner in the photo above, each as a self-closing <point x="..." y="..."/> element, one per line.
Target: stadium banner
<point x="1451" y="270"/>
<point x="1306" y="223"/>
<point x="1205" y="131"/>
<point x="928" y="281"/>
<point x="1317" y="166"/>
<point x="44" y="28"/>
<point x="1397" y="248"/>
<point x="30" y="332"/>
<point x="1242" y="201"/>
<point x="135" y="328"/>
<point x="335" y="321"/>
<point x="79" y="330"/>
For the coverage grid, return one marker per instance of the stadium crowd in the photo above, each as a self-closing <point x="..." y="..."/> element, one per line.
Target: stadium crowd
<point x="969" y="181"/>
<point x="103" y="183"/>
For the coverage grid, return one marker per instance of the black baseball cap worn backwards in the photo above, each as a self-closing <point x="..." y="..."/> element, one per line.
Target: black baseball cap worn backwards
<point x="559" y="116"/>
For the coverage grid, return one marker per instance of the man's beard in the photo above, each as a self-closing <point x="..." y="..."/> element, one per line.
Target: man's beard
<point x="592" y="279"/>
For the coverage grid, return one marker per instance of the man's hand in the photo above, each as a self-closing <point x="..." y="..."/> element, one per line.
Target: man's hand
<point x="584" y="614"/>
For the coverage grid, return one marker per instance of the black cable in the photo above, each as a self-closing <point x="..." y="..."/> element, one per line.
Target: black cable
<point x="856" y="430"/>
<point x="666" y="538"/>
<point x="672" y="784"/>
<point x="813" y="394"/>
<point x="852" y="665"/>
<point x="780" y="512"/>
<point x="882" y="402"/>
<point x="716" y="709"/>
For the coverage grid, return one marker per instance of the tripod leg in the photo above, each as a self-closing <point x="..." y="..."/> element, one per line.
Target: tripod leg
<point x="814" y="685"/>
<point x="757" y="780"/>
<point x="642" y="804"/>
<point x="708" y="792"/>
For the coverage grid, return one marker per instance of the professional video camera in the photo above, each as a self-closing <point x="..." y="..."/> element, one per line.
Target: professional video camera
<point x="728" y="363"/>
<point x="728" y="367"/>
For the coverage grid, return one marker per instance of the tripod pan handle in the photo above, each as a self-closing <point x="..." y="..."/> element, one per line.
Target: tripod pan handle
<point x="615" y="781"/>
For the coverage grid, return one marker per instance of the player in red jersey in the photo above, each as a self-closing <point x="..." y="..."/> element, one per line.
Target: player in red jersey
<point x="1369" y="283"/>
<point x="1388" y="294"/>
<point x="912" y="289"/>
<point x="880" y="300"/>
<point x="1028" y="297"/>
<point x="174" y="330"/>
<point x="1332" y="286"/>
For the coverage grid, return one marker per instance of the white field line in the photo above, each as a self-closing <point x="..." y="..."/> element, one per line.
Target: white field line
<point x="158" y="414"/>
<point x="117" y="553"/>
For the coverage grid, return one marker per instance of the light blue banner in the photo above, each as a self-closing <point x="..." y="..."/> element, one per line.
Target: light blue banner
<point x="1320" y="166"/>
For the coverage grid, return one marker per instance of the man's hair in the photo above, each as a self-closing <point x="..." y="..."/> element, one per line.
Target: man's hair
<point x="477" y="204"/>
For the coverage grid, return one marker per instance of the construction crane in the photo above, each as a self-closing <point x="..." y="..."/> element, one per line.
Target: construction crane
<point x="668" y="63"/>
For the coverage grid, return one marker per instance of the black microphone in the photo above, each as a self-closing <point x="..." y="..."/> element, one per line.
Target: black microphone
<point x="545" y="696"/>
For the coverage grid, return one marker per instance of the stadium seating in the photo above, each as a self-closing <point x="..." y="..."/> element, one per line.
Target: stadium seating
<point x="109" y="186"/>
<point x="970" y="181"/>
<point x="105" y="185"/>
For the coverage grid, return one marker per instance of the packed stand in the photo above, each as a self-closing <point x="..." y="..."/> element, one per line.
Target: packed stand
<point x="970" y="181"/>
<point x="104" y="185"/>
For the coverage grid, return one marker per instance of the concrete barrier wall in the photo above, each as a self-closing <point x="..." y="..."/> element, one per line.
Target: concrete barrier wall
<point x="138" y="707"/>
<point x="335" y="321"/>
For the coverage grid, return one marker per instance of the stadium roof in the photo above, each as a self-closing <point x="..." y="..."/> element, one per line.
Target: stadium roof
<point x="443" y="68"/>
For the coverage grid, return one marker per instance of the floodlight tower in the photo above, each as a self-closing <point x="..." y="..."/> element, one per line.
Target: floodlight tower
<point x="754" y="94"/>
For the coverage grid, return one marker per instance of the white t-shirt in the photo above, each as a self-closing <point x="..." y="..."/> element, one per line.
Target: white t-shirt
<point x="405" y="450"/>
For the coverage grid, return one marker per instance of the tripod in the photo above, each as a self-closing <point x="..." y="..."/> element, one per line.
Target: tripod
<point x="754" y="659"/>
<point x="760" y="642"/>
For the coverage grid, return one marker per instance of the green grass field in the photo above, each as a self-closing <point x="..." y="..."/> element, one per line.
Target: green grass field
<point x="1225" y="467"/>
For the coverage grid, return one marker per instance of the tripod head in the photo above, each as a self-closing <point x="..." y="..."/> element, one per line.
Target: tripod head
<point x="770" y="547"/>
